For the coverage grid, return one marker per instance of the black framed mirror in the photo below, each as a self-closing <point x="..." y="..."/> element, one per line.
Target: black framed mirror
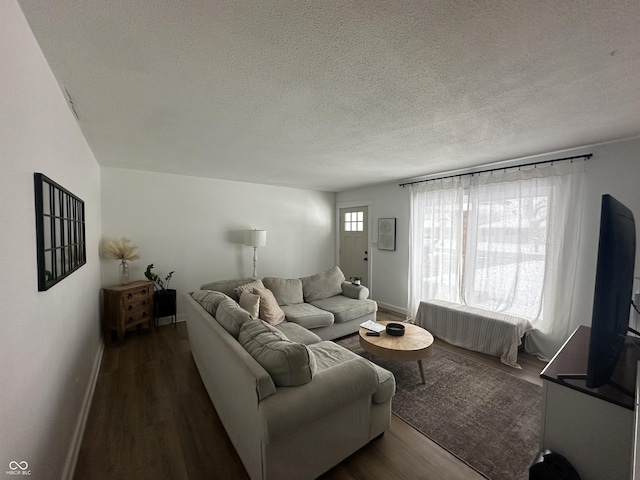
<point x="60" y="232"/>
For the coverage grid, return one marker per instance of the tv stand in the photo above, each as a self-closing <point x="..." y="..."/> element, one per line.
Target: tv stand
<point x="592" y="427"/>
<point x="583" y="376"/>
<point x="611" y="382"/>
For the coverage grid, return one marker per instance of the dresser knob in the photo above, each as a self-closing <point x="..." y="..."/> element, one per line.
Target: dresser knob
<point x="130" y="307"/>
<point x="144" y="314"/>
<point x="144" y="292"/>
<point x="130" y="295"/>
<point x="144" y="302"/>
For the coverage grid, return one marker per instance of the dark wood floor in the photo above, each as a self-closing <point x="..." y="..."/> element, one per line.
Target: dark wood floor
<point x="151" y="419"/>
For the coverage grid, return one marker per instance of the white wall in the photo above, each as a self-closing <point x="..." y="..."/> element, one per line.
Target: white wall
<point x="388" y="282"/>
<point x="614" y="169"/>
<point x="195" y="226"/>
<point x="50" y="341"/>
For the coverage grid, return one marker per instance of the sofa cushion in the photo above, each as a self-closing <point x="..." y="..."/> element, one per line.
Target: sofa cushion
<point x="251" y="303"/>
<point x="308" y="316"/>
<point x="329" y="354"/>
<point x="227" y="286"/>
<point x="289" y="363"/>
<point x="248" y="287"/>
<point x="297" y="333"/>
<point x="231" y="316"/>
<point x="270" y="311"/>
<point x="322" y="285"/>
<point x="345" y="309"/>
<point x="209" y="300"/>
<point x="288" y="291"/>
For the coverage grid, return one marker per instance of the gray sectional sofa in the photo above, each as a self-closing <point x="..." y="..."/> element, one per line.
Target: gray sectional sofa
<point x="294" y="405"/>
<point x="323" y="303"/>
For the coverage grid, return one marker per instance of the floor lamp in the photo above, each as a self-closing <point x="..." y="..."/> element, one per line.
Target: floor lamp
<point x="255" y="238"/>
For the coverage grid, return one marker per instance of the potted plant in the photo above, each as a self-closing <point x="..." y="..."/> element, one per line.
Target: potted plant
<point x="164" y="298"/>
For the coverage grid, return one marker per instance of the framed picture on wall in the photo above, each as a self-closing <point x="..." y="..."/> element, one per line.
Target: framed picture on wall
<point x="386" y="234"/>
<point x="60" y="233"/>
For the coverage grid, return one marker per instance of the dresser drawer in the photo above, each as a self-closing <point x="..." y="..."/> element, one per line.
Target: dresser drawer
<point x="137" y="302"/>
<point x="138" y="315"/>
<point x="137" y="296"/>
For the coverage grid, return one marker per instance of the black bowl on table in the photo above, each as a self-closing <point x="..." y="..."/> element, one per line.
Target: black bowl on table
<point x="395" y="329"/>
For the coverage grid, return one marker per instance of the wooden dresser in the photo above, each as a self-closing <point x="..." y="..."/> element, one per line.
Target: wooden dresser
<point x="126" y="306"/>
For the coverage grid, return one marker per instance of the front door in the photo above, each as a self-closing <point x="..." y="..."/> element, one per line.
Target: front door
<point x="354" y="243"/>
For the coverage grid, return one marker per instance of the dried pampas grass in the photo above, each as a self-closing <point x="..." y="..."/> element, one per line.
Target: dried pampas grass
<point x="121" y="249"/>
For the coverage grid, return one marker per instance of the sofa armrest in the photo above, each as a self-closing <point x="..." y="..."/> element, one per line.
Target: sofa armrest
<point x="359" y="292"/>
<point x="291" y="408"/>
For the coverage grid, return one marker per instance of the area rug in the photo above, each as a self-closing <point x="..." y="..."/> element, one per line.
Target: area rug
<point x="487" y="418"/>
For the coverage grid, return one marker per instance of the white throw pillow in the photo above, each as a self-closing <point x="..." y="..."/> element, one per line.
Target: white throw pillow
<point x="251" y="303"/>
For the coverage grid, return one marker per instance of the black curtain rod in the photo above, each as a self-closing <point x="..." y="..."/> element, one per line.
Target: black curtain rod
<point x="586" y="157"/>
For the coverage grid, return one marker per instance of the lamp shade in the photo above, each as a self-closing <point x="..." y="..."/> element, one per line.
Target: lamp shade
<point x="255" y="238"/>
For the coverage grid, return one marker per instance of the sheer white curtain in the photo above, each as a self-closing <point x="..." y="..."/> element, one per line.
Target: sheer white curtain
<point x="506" y="243"/>
<point x="435" y="242"/>
<point x="520" y="231"/>
<point x="564" y="222"/>
<point x="522" y="243"/>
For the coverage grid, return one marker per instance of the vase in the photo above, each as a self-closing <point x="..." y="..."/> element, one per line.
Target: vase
<point x="124" y="273"/>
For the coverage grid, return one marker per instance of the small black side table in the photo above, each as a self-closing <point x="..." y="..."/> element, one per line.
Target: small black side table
<point x="164" y="305"/>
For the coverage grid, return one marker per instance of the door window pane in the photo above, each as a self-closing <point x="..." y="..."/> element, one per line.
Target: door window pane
<point x="354" y="222"/>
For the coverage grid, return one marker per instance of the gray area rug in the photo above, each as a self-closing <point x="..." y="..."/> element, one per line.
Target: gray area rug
<point x="487" y="418"/>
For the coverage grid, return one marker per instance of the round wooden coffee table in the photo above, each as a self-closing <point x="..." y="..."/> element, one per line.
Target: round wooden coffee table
<point x="413" y="346"/>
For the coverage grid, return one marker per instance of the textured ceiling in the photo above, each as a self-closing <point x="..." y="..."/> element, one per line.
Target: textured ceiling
<point x="333" y="95"/>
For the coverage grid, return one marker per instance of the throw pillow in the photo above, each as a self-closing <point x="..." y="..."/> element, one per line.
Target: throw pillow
<point x="251" y="303"/>
<point x="209" y="300"/>
<point x="288" y="291"/>
<point x="288" y="363"/>
<point x="270" y="311"/>
<point x="323" y="285"/>
<point x="248" y="287"/>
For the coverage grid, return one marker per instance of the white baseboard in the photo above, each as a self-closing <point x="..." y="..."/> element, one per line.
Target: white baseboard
<point x="76" y="442"/>
<point x="393" y="308"/>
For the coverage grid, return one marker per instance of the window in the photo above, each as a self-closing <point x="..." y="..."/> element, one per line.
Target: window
<point x="488" y="247"/>
<point x="504" y="242"/>
<point x="354" y="221"/>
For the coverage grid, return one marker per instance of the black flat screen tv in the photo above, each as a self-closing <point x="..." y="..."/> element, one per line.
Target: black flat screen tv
<point x="613" y="290"/>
